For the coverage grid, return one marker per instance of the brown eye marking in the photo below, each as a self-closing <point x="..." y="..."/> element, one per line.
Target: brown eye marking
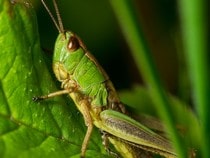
<point x="73" y="44"/>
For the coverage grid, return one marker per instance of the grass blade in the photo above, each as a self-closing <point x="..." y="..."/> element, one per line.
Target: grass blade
<point x="141" y="53"/>
<point x="193" y="16"/>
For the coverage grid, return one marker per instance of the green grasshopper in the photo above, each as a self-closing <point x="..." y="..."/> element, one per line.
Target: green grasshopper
<point x="96" y="98"/>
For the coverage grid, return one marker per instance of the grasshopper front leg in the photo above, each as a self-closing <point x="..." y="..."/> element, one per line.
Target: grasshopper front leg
<point x="51" y="95"/>
<point x="84" y="104"/>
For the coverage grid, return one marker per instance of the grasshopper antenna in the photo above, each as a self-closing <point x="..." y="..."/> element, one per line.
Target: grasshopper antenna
<point x="59" y="24"/>
<point x="58" y="16"/>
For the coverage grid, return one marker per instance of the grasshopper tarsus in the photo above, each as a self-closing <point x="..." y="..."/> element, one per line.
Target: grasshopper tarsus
<point x="50" y="95"/>
<point x="37" y="99"/>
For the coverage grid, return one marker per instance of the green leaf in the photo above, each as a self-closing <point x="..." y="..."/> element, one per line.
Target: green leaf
<point x="52" y="128"/>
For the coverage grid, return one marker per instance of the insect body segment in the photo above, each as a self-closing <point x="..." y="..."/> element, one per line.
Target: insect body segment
<point x="72" y="64"/>
<point x="68" y="51"/>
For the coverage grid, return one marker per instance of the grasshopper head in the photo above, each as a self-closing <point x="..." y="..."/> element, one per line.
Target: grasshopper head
<point x="68" y="52"/>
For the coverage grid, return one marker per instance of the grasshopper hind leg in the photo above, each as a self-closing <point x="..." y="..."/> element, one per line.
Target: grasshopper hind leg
<point x="105" y="142"/>
<point x="126" y="149"/>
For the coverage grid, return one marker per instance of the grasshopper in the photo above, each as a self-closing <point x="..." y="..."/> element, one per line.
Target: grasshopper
<point x="85" y="81"/>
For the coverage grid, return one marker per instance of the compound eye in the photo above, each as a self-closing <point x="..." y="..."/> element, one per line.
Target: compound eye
<point x="73" y="44"/>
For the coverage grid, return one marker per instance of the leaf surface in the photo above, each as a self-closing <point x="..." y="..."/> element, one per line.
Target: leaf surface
<point x="51" y="128"/>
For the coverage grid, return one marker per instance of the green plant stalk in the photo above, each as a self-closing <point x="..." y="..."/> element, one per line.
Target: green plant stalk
<point x="195" y="44"/>
<point x="141" y="53"/>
